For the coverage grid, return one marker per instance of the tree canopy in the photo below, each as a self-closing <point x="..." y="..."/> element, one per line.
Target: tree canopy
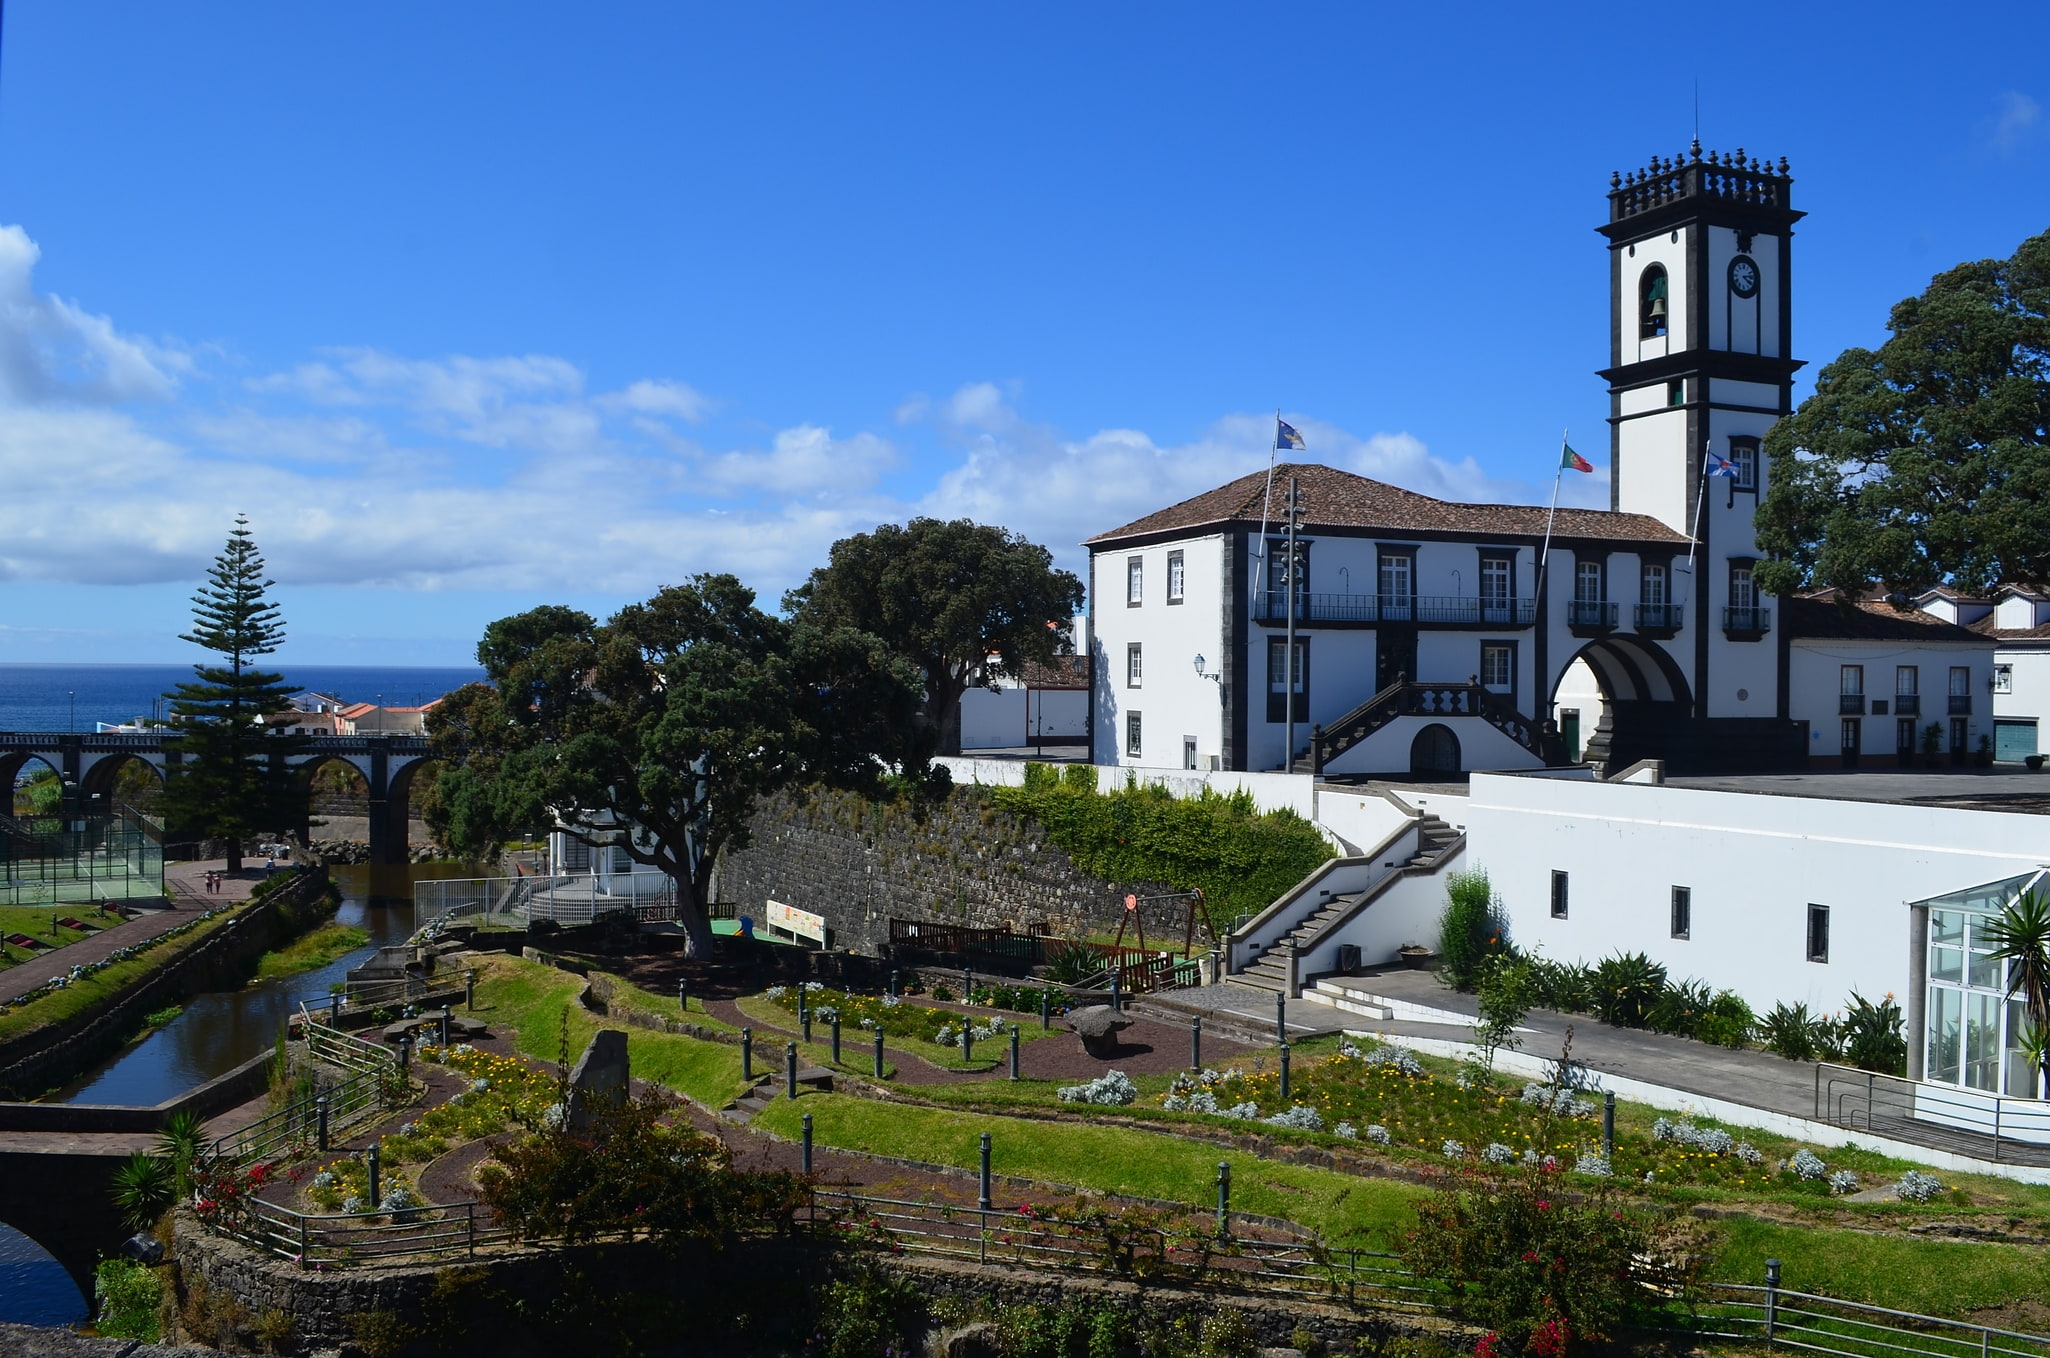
<point x="967" y="603"/>
<point x="228" y="780"/>
<point x="672" y="718"/>
<point x="1926" y="461"/>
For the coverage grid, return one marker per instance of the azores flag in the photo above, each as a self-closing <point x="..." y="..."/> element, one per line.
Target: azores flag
<point x="1719" y="466"/>
<point x="1570" y="461"/>
<point x="1285" y="435"/>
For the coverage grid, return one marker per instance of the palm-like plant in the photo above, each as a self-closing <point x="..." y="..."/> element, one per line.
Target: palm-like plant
<point x="2020" y="935"/>
<point x="144" y="1189"/>
<point x="179" y="1145"/>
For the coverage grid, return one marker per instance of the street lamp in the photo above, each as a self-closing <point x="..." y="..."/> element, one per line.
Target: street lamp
<point x="72" y="721"/>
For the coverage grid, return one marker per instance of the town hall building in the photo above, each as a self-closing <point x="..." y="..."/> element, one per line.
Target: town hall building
<point x="1435" y="637"/>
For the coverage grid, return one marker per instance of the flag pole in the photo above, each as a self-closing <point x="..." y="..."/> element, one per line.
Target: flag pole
<point x="1694" y="537"/>
<point x="1558" y="474"/>
<point x="1260" y="583"/>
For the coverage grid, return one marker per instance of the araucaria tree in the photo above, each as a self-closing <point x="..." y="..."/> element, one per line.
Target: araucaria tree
<point x="229" y="780"/>
<point x="659" y="730"/>
<point x="969" y="604"/>
<point x="1926" y="461"/>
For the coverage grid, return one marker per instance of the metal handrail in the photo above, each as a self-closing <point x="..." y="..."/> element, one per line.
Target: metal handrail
<point x="1919" y="1111"/>
<point x="1810" y="1321"/>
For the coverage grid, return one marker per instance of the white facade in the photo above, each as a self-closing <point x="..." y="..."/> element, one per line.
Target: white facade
<point x="1867" y="702"/>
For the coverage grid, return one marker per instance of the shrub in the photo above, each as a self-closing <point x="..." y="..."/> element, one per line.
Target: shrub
<point x="1472" y="928"/>
<point x="1681" y="1010"/>
<point x="1791" y="1031"/>
<point x="1565" y="986"/>
<point x="1627" y="987"/>
<point x="126" y="1300"/>
<point x="633" y="1174"/>
<point x="1915" y="1186"/>
<point x="1874" y="1036"/>
<point x="1727" y="1022"/>
<point x="1843" y="1181"/>
<point x="1301" y="1117"/>
<point x="1806" y="1164"/>
<point x="868" y="1313"/>
<point x="1074" y="964"/>
<point x="1400" y="1059"/>
<point x="1113" y="1087"/>
<point x="1522" y="1260"/>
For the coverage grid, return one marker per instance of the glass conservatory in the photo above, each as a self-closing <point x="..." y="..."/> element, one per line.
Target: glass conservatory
<point x="1971" y="1029"/>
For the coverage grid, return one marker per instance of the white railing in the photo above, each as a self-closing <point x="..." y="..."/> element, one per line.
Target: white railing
<point x="568" y="899"/>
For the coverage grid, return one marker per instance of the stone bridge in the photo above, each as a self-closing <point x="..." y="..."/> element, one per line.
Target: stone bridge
<point x="88" y="764"/>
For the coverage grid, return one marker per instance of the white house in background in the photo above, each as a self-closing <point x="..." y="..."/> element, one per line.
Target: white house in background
<point x="2016" y="620"/>
<point x="1046" y="706"/>
<point x="1870" y="681"/>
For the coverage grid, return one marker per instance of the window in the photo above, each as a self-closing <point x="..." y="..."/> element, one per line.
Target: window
<point x="1177" y="575"/>
<point x="1907" y="681"/>
<point x="1960" y="731"/>
<point x="2003" y="678"/>
<point x="1135" y="581"/>
<point x="1743" y="592"/>
<point x="1587" y="582"/>
<point x="1960" y="690"/>
<point x="1651" y="584"/>
<point x="1818" y="933"/>
<point x="1132" y="734"/>
<point x="1683" y="912"/>
<point x="1396" y="580"/>
<point x="1498" y="666"/>
<point x="1558" y="894"/>
<point x="1497" y="575"/>
<point x="1851" y="690"/>
<point x="1850" y="732"/>
<point x="1676" y="392"/>
<point x="1277" y="684"/>
<point x="1279" y="574"/>
<point x="1132" y="666"/>
<point x="1651" y="302"/>
<point x="1744" y="457"/>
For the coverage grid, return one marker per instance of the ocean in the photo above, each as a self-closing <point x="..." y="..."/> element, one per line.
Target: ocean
<point x="74" y="697"/>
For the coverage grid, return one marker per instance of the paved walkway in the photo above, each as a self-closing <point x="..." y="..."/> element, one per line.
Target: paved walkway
<point x="187" y="884"/>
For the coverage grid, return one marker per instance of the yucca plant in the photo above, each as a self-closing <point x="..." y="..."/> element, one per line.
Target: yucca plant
<point x="1627" y="987"/>
<point x="179" y="1145"/>
<point x="2020" y="935"/>
<point x="1874" y="1036"/>
<point x="144" y="1188"/>
<point x="1790" y="1031"/>
<point x="1681" y="1009"/>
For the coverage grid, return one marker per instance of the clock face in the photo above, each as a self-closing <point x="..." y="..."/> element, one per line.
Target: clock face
<point x="1744" y="276"/>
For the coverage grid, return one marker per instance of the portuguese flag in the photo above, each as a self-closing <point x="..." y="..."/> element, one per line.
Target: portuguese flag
<point x="1570" y="461"/>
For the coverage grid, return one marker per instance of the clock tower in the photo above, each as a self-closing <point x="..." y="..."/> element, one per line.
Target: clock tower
<point x="1700" y="367"/>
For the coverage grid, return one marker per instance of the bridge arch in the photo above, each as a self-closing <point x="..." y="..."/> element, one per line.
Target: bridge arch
<point x="1644" y="698"/>
<point x="63" y="1200"/>
<point x="13" y="764"/>
<point x="125" y="778"/>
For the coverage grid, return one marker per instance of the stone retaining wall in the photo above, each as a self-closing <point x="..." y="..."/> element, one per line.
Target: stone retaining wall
<point x="701" y="1279"/>
<point x="47" y="1056"/>
<point x="961" y="861"/>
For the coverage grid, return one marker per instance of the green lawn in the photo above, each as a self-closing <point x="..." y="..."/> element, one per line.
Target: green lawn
<point x="857" y="1045"/>
<point x="312" y="951"/>
<point x="39" y="923"/>
<point x="103" y="986"/>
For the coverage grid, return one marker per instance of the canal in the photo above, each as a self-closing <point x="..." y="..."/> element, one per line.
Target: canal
<point x="216" y="1032"/>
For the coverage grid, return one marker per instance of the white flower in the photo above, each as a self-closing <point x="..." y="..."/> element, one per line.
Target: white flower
<point x="1843" y="1181"/>
<point x="1400" y="1059"/>
<point x="1592" y="1164"/>
<point x="1452" y="1150"/>
<point x="1245" y="1111"/>
<point x="1346" y="1130"/>
<point x="1915" y="1186"/>
<point x="1495" y="1153"/>
<point x="1807" y="1164"/>
<point x="1112" y="1087"/>
<point x="1301" y="1117"/>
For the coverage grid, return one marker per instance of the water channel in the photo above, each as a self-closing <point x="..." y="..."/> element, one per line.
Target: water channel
<point x="216" y="1032"/>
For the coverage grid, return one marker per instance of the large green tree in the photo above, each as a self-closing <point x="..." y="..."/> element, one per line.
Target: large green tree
<point x="967" y="603"/>
<point x="229" y="780"/>
<point x="1927" y="460"/>
<point x="660" y="729"/>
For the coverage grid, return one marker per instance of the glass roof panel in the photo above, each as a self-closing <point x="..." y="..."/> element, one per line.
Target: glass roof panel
<point x="1988" y="898"/>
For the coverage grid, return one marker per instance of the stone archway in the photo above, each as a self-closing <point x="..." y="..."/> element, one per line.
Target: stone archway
<point x="1645" y="701"/>
<point x="123" y="780"/>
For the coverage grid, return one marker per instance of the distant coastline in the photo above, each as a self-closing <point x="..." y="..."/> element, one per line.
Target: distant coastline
<point x="51" y="697"/>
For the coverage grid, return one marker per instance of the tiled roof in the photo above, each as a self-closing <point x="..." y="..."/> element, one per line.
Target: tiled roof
<point x="1820" y="616"/>
<point x="1340" y="499"/>
<point x="1985" y="628"/>
<point x="1066" y="671"/>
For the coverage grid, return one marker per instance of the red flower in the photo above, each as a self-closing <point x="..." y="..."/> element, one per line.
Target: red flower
<point x="1544" y="1205"/>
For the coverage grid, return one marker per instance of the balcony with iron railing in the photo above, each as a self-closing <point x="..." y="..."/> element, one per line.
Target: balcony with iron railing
<point x="1907" y="704"/>
<point x="1746" y="624"/>
<point x="1850" y="705"/>
<point x="1960" y="704"/>
<point x="1664" y="619"/>
<point x="1444" y="610"/>
<point x="1586" y="617"/>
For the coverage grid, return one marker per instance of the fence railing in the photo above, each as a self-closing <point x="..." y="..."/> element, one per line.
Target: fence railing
<point x="1993" y="1126"/>
<point x="567" y="899"/>
<point x="1784" y="1319"/>
<point x="335" y="1239"/>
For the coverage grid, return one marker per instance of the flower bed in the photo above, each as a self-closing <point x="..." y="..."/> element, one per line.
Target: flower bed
<point x="1385" y="1096"/>
<point x="895" y="1017"/>
<point x="503" y="1091"/>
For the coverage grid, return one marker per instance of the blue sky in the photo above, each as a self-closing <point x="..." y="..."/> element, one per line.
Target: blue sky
<point x="474" y="307"/>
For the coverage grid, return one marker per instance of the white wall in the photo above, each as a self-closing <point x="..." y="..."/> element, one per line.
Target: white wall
<point x="1172" y="699"/>
<point x="1754" y="863"/>
<point x="992" y="720"/>
<point x="1408" y="911"/>
<point x="2028" y="692"/>
<point x="1057" y="714"/>
<point x="1481" y="746"/>
<point x="1815" y="674"/>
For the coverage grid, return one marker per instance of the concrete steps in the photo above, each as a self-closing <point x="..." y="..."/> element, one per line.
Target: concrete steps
<point x="766" y="1090"/>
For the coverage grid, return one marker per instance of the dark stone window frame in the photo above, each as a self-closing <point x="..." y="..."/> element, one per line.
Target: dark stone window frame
<point x="1739" y="485"/>
<point x="1481" y="675"/>
<point x="1561" y="889"/>
<point x="1135" y="664"/>
<point x="1277" y="711"/>
<point x="1654" y="282"/>
<point x="1396" y="551"/>
<point x="1134" y="734"/>
<point x="1177" y="577"/>
<point x="1818" y="933"/>
<point x="1682" y="914"/>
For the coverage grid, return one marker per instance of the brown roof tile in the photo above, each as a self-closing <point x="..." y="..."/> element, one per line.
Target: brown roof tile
<point x="1066" y="671"/>
<point x="1340" y="499"/>
<point x="1819" y="616"/>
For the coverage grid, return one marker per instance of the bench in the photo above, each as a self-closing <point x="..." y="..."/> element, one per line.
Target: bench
<point x="78" y="925"/>
<point x="30" y="944"/>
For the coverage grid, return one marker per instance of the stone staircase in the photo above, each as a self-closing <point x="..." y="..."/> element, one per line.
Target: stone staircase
<point x="1435" y="841"/>
<point x="767" y="1089"/>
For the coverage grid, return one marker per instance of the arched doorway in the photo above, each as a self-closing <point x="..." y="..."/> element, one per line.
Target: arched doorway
<point x="1644" y="701"/>
<point x="1434" y="751"/>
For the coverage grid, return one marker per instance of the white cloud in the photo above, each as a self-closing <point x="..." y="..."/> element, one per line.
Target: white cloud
<point x="54" y="350"/>
<point x="805" y="463"/>
<point x="673" y="400"/>
<point x="2016" y="123"/>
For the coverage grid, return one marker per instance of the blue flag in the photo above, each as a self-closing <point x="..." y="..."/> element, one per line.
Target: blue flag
<point x="1285" y="435"/>
<point x="1719" y="466"/>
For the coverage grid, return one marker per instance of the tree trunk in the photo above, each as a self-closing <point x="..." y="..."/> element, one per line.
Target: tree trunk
<point x="234" y="854"/>
<point x="694" y="917"/>
<point x="947" y="692"/>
